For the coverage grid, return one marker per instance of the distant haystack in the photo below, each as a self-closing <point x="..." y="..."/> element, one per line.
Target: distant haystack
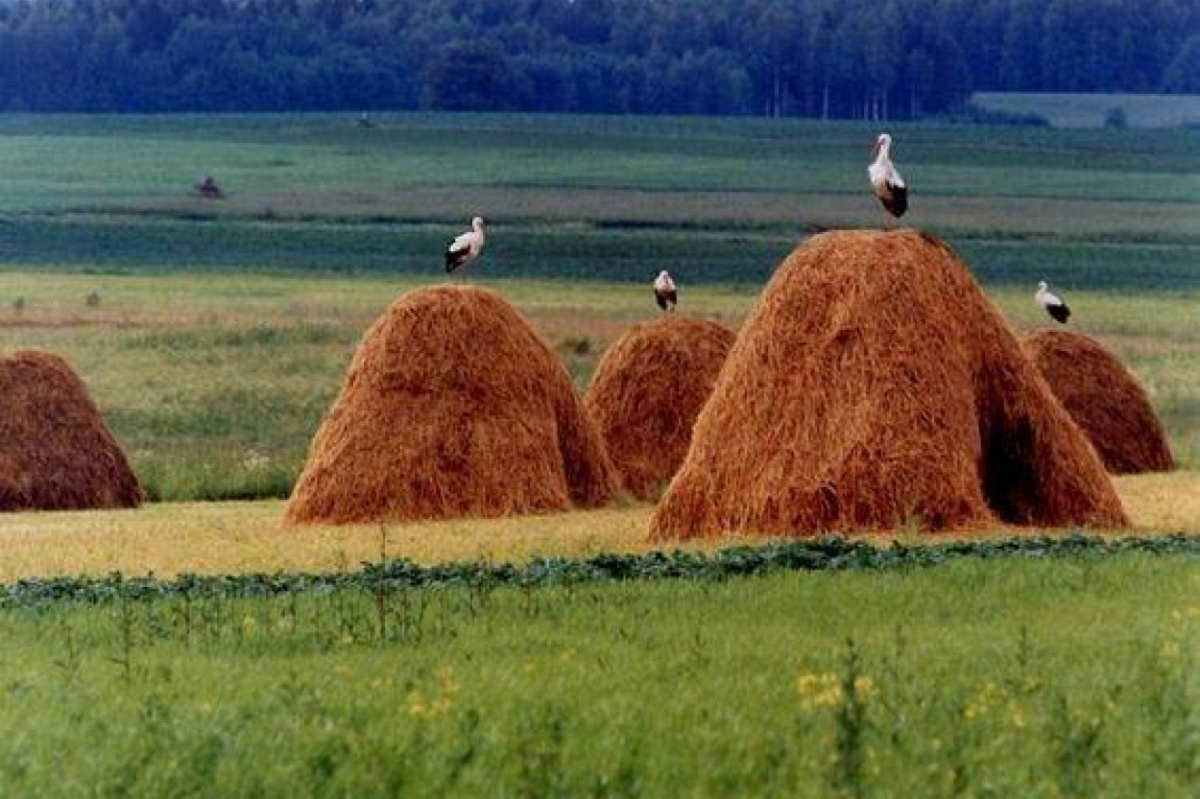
<point x="874" y="385"/>
<point x="55" y="452"/>
<point x="647" y="391"/>
<point x="452" y="407"/>
<point x="1104" y="399"/>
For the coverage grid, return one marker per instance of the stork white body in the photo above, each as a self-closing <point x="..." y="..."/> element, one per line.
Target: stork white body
<point x="1052" y="303"/>
<point x="885" y="179"/>
<point x="665" y="293"/>
<point x="466" y="247"/>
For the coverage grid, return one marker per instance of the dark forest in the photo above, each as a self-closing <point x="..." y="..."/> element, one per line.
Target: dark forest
<point x="820" y="58"/>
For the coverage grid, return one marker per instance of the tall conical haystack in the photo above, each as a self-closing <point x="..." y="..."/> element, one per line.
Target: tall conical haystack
<point x="875" y="385"/>
<point x="452" y="407"/>
<point x="1104" y="399"/>
<point x="55" y="452"/>
<point x="647" y="392"/>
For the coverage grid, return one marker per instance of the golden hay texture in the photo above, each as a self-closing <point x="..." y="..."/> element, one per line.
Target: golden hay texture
<point x="647" y="391"/>
<point x="452" y="407"/>
<point x="875" y="386"/>
<point x="1104" y="399"/>
<point x="55" y="452"/>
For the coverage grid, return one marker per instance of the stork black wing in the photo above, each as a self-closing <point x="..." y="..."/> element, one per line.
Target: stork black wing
<point x="1060" y="313"/>
<point x="896" y="200"/>
<point x="455" y="259"/>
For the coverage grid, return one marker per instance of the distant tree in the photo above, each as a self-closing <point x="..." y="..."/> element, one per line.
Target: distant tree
<point x="1183" y="74"/>
<point x="825" y="58"/>
<point x="1021" y="57"/>
<point x="470" y="76"/>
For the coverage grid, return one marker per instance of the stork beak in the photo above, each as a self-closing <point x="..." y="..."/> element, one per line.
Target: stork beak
<point x="875" y="149"/>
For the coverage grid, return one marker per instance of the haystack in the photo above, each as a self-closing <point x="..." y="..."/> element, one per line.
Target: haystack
<point x="875" y="386"/>
<point x="452" y="407"/>
<point x="1104" y="399"/>
<point x="647" y="392"/>
<point x="55" y="452"/>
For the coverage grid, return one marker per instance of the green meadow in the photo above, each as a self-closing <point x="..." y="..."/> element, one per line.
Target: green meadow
<point x="1068" y="677"/>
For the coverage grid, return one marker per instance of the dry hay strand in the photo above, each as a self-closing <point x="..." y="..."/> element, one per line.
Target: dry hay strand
<point x="874" y="386"/>
<point x="55" y="452"/>
<point x="452" y="407"/>
<point x="647" y="391"/>
<point x="1104" y="399"/>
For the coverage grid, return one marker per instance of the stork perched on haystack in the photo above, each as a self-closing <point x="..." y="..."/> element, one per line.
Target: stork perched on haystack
<point x="466" y="247"/>
<point x="1053" y="303"/>
<point x="886" y="182"/>
<point x="665" y="293"/>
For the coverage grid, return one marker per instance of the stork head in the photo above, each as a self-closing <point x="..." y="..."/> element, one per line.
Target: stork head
<point x="882" y="145"/>
<point x="478" y="223"/>
<point x="1042" y="286"/>
<point x="664" y="275"/>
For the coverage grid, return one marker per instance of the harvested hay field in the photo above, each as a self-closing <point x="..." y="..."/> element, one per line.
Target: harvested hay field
<point x="1104" y="399"/>
<point x="55" y="451"/>
<point x="874" y="386"/>
<point x="453" y="407"/>
<point x="239" y="537"/>
<point x="647" y="391"/>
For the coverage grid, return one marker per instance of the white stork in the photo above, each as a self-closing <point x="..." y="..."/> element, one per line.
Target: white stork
<point x="664" y="291"/>
<point x="466" y="247"/>
<point x="1053" y="303"/>
<point x="886" y="182"/>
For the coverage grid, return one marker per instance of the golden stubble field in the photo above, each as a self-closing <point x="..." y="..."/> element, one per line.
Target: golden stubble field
<point x="235" y="537"/>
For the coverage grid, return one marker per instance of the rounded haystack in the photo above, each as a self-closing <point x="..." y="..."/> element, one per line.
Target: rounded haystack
<point x="452" y="407"/>
<point x="1104" y="399"/>
<point x="647" y="392"/>
<point x="55" y="452"/>
<point x="875" y="386"/>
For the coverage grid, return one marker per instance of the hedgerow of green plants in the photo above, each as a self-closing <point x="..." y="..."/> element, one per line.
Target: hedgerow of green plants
<point x="832" y="553"/>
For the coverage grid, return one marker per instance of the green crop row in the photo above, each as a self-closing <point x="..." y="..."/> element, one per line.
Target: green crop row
<point x="832" y="553"/>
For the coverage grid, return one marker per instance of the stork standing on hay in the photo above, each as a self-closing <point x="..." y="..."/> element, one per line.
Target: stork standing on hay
<point x="886" y="182"/>
<point x="1053" y="303"/>
<point x="466" y="247"/>
<point x="665" y="293"/>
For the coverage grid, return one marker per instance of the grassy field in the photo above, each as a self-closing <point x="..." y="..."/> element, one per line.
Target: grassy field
<point x="718" y="200"/>
<point x="1081" y="683"/>
<point x="214" y="336"/>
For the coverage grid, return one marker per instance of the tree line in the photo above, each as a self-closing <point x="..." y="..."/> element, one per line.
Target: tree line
<point x="822" y="58"/>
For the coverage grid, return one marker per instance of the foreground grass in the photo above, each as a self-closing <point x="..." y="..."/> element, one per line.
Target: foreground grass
<point x="237" y="537"/>
<point x="1064" y="678"/>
